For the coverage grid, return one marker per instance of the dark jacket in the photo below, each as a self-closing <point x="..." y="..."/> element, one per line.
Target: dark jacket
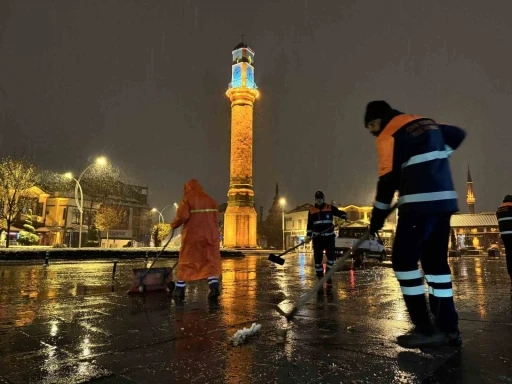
<point x="504" y="216"/>
<point x="321" y="218"/>
<point x="413" y="159"/>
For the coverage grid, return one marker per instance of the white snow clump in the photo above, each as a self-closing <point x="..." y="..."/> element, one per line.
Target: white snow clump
<point x="241" y="335"/>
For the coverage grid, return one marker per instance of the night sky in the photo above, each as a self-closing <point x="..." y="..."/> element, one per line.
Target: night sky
<point x="143" y="82"/>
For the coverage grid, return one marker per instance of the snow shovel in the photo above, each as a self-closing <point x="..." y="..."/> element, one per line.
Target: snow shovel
<point x="278" y="258"/>
<point x="153" y="279"/>
<point x="327" y="276"/>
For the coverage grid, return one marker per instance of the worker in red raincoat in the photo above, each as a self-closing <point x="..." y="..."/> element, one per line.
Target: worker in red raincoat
<point x="200" y="240"/>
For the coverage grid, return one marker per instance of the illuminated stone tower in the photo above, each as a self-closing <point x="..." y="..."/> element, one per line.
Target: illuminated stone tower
<point x="240" y="218"/>
<point x="470" y="197"/>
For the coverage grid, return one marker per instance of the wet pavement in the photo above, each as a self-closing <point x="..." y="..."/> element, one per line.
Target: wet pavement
<point x="71" y="323"/>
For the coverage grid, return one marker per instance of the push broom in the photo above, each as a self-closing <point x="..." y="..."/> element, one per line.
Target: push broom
<point x="153" y="279"/>
<point x="277" y="259"/>
<point x="309" y="294"/>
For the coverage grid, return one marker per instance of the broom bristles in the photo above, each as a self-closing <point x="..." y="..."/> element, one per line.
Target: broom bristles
<point x="241" y="335"/>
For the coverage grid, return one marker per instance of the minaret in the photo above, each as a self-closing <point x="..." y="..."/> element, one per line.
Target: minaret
<point x="240" y="218"/>
<point x="470" y="197"/>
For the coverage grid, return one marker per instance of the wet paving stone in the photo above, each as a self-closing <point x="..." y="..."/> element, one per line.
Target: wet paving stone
<point x="71" y="323"/>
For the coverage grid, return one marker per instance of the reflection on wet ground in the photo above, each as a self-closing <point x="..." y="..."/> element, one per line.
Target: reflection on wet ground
<point x="71" y="323"/>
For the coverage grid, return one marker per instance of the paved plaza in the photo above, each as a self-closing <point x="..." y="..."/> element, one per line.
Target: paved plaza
<point x="71" y="323"/>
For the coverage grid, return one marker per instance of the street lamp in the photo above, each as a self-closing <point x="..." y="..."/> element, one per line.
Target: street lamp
<point x="160" y="215"/>
<point x="100" y="161"/>
<point x="69" y="175"/>
<point x="164" y="208"/>
<point x="282" y="203"/>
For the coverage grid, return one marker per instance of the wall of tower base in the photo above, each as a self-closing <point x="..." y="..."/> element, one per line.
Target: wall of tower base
<point x="240" y="227"/>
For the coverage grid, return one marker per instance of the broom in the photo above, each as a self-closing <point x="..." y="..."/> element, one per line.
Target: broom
<point x="305" y="298"/>
<point x="153" y="279"/>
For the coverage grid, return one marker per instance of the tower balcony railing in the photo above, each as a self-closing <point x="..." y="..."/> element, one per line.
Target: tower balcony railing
<point x="239" y="84"/>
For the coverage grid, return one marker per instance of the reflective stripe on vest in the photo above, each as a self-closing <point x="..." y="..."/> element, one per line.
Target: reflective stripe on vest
<point x="202" y="210"/>
<point x="322" y="222"/>
<point x="424" y="157"/>
<point x="429" y="196"/>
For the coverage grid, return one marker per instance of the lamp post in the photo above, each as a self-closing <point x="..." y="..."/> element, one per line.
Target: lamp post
<point x="101" y="161"/>
<point x="282" y="203"/>
<point x="164" y="208"/>
<point x="79" y="204"/>
<point x="160" y="215"/>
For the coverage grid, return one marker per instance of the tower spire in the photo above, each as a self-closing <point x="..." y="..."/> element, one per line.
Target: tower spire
<point x="470" y="196"/>
<point x="470" y="180"/>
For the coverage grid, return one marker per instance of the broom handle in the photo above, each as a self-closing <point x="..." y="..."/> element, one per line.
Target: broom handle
<point x="304" y="242"/>
<point x="331" y="271"/>
<point x="160" y="253"/>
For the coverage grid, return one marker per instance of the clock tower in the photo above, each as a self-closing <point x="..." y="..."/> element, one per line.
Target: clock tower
<point x="240" y="218"/>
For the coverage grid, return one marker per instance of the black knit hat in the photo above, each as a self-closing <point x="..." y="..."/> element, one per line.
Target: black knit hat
<point x="319" y="195"/>
<point x="376" y="110"/>
<point x="507" y="199"/>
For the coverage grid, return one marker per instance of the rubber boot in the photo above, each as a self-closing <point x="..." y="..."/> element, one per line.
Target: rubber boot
<point x="454" y="339"/>
<point x="321" y="289"/>
<point x="423" y="336"/>
<point x="214" y="291"/>
<point x="179" y="295"/>
<point x="329" y="283"/>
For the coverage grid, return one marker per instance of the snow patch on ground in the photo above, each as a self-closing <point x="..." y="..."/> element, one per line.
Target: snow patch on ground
<point x="241" y="335"/>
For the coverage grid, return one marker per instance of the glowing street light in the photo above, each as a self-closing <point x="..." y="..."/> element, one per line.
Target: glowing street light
<point x="282" y="203"/>
<point x="100" y="161"/>
<point x="159" y="213"/>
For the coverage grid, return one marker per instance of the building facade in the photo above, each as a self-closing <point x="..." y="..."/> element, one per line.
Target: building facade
<point x="478" y="230"/>
<point x="34" y="199"/>
<point x="56" y="218"/>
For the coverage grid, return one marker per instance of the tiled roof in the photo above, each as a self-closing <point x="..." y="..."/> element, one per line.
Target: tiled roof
<point x="474" y="220"/>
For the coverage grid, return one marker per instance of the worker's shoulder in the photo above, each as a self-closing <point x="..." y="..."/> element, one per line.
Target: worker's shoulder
<point x="412" y="124"/>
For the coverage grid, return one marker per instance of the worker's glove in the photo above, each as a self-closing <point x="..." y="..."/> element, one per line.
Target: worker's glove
<point x="307" y="239"/>
<point x="378" y="219"/>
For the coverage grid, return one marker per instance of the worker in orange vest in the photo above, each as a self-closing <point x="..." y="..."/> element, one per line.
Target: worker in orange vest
<point x="320" y="220"/>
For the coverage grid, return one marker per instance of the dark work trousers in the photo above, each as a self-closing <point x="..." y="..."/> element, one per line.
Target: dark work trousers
<point x="507" y="241"/>
<point x="425" y="238"/>
<point x="320" y="244"/>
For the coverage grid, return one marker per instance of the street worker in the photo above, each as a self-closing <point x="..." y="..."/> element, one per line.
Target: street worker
<point x="413" y="156"/>
<point x="200" y="240"/>
<point x="320" y="227"/>
<point x="504" y="215"/>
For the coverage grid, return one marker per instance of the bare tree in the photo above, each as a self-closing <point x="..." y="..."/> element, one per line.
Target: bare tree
<point x="109" y="217"/>
<point x="17" y="176"/>
<point x="100" y="185"/>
